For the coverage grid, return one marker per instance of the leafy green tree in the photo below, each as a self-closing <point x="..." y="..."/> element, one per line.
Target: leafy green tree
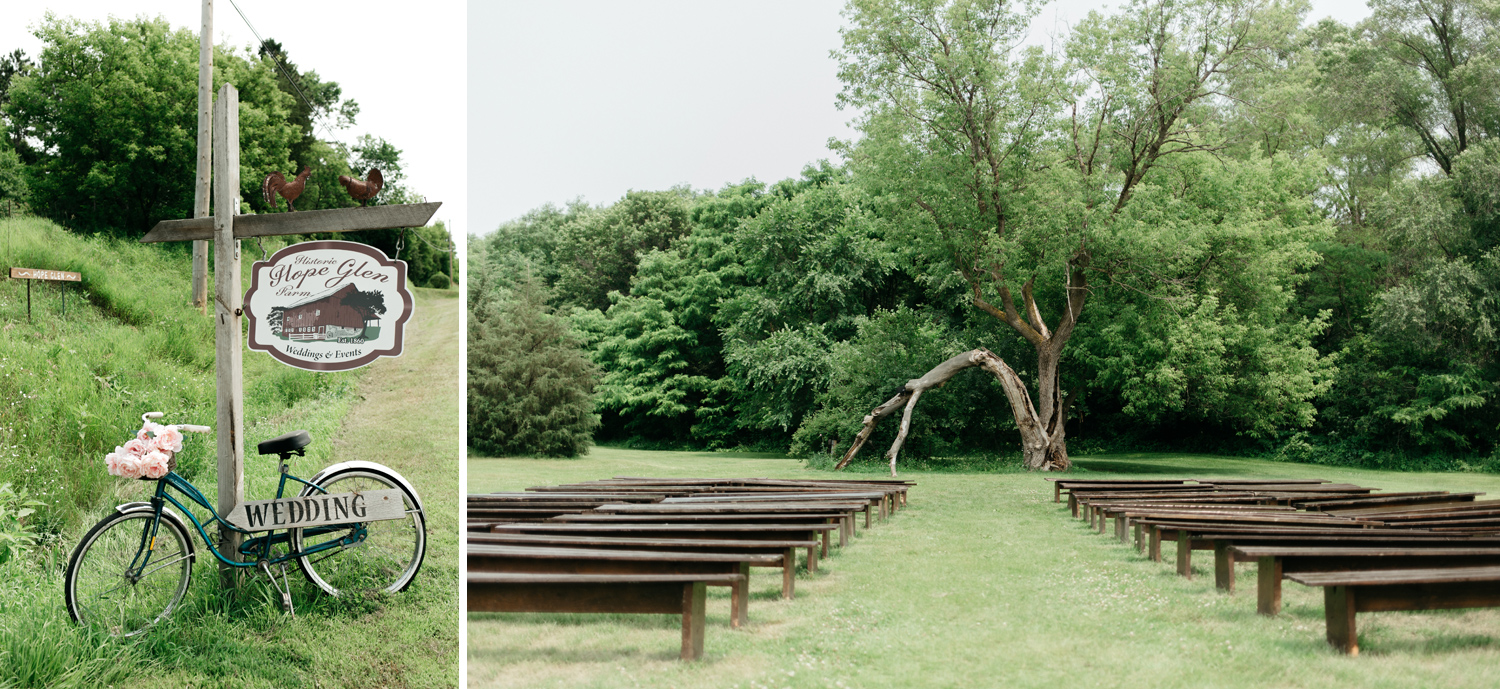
<point x="12" y="173"/>
<point x="659" y="348"/>
<point x="114" y="107"/>
<point x="314" y="103"/>
<point x="530" y="386"/>
<point x="529" y="244"/>
<point x="600" y="250"/>
<point x="11" y="66"/>
<point x="961" y="138"/>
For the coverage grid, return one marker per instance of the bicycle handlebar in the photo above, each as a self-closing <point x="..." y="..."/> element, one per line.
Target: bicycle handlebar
<point x="192" y="428"/>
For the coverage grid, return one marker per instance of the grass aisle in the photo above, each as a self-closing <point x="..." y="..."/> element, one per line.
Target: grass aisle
<point x="985" y="582"/>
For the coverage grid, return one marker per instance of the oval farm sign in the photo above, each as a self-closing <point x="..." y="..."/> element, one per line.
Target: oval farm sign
<point x="328" y="306"/>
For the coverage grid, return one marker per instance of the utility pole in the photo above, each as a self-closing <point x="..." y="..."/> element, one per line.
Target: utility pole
<point x="205" y="152"/>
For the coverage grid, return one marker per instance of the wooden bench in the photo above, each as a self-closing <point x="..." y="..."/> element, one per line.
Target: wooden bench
<point x="1274" y="562"/>
<point x="784" y="550"/>
<point x="844" y="522"/>
<point x="1347" y="593"/>
<point x="673" y="594"/>
<point x="699" y="530"/>
<point x="1223" y="543"/>
<point x="543" y="560"/>
<point x="1190" y="536"/>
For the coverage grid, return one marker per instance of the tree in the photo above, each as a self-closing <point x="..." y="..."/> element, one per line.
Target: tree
<point x="1021" y="174"/>
<point x="530" y="386"/>
<point x="11" y="66"/>
<point x="114" y="106"/>
<point x="1428" y="66"/>
<point x="600" y="250"/>
<point x="314" y="102"/>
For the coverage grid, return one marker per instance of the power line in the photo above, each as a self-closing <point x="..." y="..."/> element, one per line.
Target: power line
<point x="276" y="61"/>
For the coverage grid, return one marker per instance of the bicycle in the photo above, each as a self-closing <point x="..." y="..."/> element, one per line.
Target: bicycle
<point x="133" y="567"/>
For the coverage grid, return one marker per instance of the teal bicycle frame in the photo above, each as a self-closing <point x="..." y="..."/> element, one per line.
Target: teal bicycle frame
<point x="262" y="544"/>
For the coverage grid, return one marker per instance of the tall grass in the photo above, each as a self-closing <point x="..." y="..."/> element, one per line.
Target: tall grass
<point x="73" y="386"/>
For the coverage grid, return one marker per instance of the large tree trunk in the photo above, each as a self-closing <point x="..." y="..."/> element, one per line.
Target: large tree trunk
<point x="1042" y="437"/>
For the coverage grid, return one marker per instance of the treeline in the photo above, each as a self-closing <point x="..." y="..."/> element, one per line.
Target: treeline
<point x="98" y="133"/>
<point x="1232" y="232"/>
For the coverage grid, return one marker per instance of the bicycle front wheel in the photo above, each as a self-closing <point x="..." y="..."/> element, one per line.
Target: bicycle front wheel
<point x="386" y="559"/>
<point x="101" y="587"/>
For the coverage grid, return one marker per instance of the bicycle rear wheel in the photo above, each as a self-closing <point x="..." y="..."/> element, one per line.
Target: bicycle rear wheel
<point x="100" y="587"/>
<point x="387" y="559"/>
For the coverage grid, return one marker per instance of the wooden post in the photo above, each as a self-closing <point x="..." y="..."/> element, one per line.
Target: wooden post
<point x="1338" y="608"/>
<point x="228" y="355"/>
<point x="694" y="597"/>
<point x="205" y="152"/>
<point x="1223" y="566"/>
<point x="1268" y="586"/>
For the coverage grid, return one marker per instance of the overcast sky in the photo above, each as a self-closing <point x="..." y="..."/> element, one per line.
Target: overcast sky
<point x="405" y="68"/>
<point x="592" y="98"/>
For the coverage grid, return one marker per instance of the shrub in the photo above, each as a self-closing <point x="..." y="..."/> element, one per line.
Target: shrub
<point x="531" y="385"/>
<point x="438" y="281"/>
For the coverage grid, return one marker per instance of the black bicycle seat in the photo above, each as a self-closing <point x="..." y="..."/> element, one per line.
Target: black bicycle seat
<point x="284" y="444"/>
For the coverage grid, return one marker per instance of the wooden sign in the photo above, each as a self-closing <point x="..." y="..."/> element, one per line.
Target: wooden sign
<point x="301" y="222"/>
<point x="43" y="274"/>
<point x="319" y="510"/>
<point x="328" y="306"/>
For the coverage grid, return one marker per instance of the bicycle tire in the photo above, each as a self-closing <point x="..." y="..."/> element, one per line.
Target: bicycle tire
<point x="389" y="557"/>
<point x="97" y="572"/>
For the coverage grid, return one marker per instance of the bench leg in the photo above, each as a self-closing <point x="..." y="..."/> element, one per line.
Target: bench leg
<point x="812" y="559"/>
<point x="867" y="516"/>
<point x="1223" y="567"/>
<point x="1268" y="586"/>
<point x="694" y="596"/>
<point x="1102" y="521"/>
<point x="1122" y="529"/>
<point x="1338" y="607"/>
<point x="826" y="537"/>
<point x="739" y="599"/>
<point x="1056" y="492"/>
<point x="1073" y="504"/>
<point x="1184" y="555"/>
<point x="1155" y="549"/>
<point x="1140" y="539"/>
<point x="788" y="573"/>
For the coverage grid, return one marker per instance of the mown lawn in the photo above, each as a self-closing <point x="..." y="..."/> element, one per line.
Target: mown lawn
<point x="984" y="581"/>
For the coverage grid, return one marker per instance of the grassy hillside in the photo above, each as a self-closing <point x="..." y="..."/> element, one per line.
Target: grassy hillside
<point x="72" y="387"/>
<point x="983" y="581"/>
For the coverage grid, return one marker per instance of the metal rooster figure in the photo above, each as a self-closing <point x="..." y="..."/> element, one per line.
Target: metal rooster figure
<point x="276" y="184"/>
<point x="366" y="189"/>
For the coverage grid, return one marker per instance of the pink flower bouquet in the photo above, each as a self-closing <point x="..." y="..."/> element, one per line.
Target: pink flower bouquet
<point x="149" y="455"/>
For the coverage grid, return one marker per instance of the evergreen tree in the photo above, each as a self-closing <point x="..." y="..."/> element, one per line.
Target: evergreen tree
<point x="531" y="386"/>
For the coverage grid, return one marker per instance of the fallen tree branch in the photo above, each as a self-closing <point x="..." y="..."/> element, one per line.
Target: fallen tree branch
<point x="1035" y="440"/>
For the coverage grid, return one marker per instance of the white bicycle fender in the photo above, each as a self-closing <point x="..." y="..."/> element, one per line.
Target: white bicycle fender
<point x="361" y="464"/>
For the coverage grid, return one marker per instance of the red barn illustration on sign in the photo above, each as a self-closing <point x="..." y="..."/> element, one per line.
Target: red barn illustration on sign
<point x="328" y="306"/>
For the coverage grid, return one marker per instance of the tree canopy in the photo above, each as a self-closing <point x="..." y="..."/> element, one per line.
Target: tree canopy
<point x="1191" y="224"/>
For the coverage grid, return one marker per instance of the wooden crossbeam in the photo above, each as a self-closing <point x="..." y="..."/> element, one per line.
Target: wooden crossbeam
<point x="301" y="222"/>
